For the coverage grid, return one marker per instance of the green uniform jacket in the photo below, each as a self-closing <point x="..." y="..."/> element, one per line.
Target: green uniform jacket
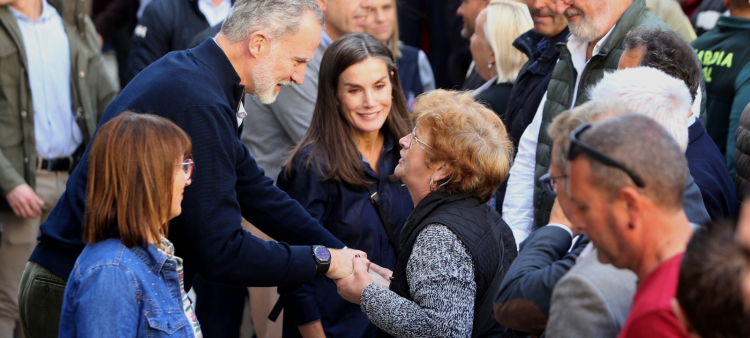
<point x="724" y="53"/>
<point x="91" y="87"/>
<point x="560" y="93"/>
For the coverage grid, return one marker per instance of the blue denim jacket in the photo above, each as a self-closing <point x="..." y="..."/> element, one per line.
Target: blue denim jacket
<point x="114" y="291"/>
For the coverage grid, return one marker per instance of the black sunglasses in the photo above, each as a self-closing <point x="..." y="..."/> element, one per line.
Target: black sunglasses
<point x="576" y="146"/>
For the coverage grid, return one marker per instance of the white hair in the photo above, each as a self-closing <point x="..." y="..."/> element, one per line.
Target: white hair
<point x="274" y="17"/>
<point x="650" y="92"/>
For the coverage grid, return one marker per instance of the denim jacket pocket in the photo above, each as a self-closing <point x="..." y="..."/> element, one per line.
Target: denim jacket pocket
<point x="168" y="322"/>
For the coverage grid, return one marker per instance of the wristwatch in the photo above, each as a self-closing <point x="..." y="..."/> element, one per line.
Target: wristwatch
<point x="322" y="258"/>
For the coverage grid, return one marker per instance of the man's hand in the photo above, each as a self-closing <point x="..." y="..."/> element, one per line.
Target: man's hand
<point x="557" y="216"/>
<point x="341" y="262"/>
<point x="24" y="201"/>
<point x="312" y="330"/>
<point x="350" y="288"/>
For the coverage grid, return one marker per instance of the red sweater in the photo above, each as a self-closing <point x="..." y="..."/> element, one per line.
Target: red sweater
<point x="651" y="314"/>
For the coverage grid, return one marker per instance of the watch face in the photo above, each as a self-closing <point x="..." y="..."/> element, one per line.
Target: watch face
<point x="322" y="253"/>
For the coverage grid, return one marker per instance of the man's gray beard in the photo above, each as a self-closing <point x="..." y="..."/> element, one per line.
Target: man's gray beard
<point x="584" y="29"/>
<point x="265" y="86"/>
<point x="590" y="29"/>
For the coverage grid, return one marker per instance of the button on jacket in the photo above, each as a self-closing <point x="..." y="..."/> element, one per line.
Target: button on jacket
<point x="115" y="291"/>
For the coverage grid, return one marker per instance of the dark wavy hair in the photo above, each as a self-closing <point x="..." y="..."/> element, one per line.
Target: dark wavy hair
<point x="333" y="154"/>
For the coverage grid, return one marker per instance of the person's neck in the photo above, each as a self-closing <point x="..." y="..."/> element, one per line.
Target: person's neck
<point x="740" y="13"/>
<point x="238" y="56"/>
<point x="671" y="239"/>
<point x="334" y="35"/>
<point x="30" y="8"/>
<point x="216" y="3"/>
<point x="370" y="145"/>
<point x="551" y="38"/>
<point x="620" y="8"/>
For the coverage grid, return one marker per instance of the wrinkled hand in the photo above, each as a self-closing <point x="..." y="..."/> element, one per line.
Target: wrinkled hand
<point x="341" y="262"/>
<point x="558" y="216"/>
<point x="24" y="201"/>
<point x="380" y="275"/>
<point x="350" y="288"/>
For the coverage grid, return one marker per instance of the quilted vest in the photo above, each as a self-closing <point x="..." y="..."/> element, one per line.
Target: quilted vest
<point x="561" y="88"/>
<point x="481" y="229"/>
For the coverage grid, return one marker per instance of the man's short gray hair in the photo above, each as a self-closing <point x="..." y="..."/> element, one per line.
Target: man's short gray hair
<point x="276" y="18"/>
<point x="567" y="121"/>
<point x="667" y="51"/>
<point x="651" y="92"/>
<point x="644" y="147"/>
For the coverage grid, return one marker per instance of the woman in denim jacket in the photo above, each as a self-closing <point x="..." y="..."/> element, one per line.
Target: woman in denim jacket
<point x="127" y="281"/>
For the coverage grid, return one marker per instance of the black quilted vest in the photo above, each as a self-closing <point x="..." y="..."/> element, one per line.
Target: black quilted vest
<point x="479" y="227"/>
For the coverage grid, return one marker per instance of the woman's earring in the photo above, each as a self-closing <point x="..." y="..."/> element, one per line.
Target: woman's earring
<point x="490" y="65"/>
<point x="432" y="185"/>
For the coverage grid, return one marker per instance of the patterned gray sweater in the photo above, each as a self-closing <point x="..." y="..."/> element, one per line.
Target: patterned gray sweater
<point x="440" y="273"/>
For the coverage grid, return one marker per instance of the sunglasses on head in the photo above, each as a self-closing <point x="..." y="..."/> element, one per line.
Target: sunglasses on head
<point x="577" y="146"/>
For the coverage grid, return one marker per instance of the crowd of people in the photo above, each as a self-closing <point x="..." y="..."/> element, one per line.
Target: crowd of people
<point x="584" y="177"/>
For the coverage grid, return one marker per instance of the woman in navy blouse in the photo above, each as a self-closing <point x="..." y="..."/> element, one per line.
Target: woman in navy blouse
<point x="349" y="151"/>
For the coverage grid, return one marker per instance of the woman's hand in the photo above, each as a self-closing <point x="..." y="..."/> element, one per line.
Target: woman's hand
<point x="350" y="288"/>
<point x="380" y="275"/>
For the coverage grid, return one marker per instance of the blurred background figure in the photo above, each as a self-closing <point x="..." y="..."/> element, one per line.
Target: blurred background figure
<point x="414" y="69"/>
<point x="53" y="89"/>
<point x="726" y="67"/>
<point x="709" y="301"/>
<point x="498" y="63"/>
<point x="342" y="173"/>
<point x="670" y="12"/>
<point x="169" y="25"/>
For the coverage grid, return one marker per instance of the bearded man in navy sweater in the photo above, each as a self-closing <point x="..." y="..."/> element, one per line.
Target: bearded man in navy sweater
<point x="263" y="44"/>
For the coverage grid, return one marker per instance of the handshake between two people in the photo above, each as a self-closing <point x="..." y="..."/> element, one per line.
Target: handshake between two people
<point x="352" y="272"/>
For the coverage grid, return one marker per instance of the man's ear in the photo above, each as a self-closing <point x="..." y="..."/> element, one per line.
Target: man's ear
<point x="323" y="4"/>
<point x="258" y="44"/>
<point x="633" y="202"/>
<point x="677" y="310"/>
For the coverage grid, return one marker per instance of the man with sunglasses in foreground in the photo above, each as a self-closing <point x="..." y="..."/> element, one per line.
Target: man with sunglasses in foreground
<point x="627" y="177"/>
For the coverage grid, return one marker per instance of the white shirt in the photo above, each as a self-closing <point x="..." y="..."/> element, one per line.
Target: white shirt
<point x="518" y="206"/>
<point x="214" y="14"/>
<point x="48" y="55"/>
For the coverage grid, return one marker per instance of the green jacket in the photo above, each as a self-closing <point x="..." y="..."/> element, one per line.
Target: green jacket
<point x="560" y="93"/>
<point x="725" y="56"/>
<point x="92" y="90"/>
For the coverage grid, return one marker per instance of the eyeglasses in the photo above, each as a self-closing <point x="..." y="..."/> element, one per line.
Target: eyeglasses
<point x="548" y="183"/>
<point x="422" y="144"/>
<point x="187" y="168"/>
<point x="576" y="146"/>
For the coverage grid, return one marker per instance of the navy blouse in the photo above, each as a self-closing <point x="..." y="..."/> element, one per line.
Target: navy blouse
<point x="349" y="215"/>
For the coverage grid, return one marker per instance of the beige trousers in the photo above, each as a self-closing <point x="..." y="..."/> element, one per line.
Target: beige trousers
<point x="19" y="240"/>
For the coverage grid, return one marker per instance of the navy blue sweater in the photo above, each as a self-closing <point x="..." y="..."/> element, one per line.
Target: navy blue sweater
<point x="708" y="168"/>
<point x="347" y="213"/>
<point x="199" y="90"/>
